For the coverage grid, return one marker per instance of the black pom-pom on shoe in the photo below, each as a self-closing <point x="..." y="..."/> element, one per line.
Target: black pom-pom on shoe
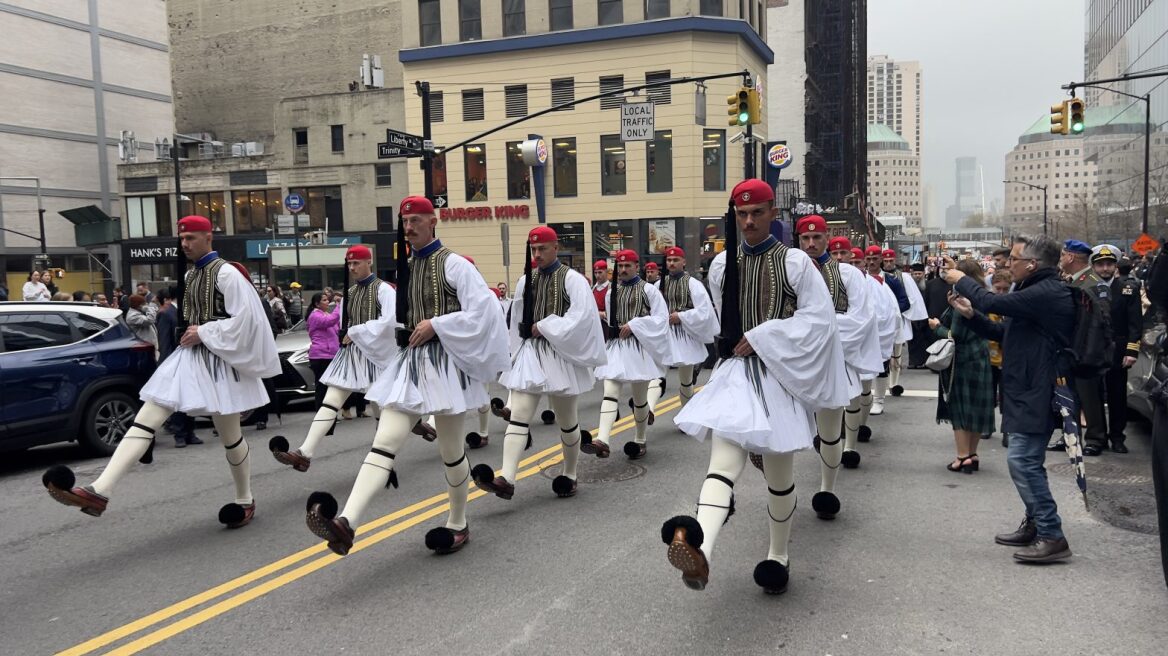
<point x="547" y="417"/>
<point x="825" y="504"/>
<point x="60" y="477"/>
<point x="897" y="390"/>
<point x="772" y="576"/>
<point x="482" y="473"/>
<point x="497" y="404"/>
<point x="439" y="539"/>
<point x="279" y="444"/>
<point x="474" y="440"/>
<point x="694" y="536"/>
<point x="564" y="486"/>
<point x="327" y="502"/>
<point x="231" y="514"/>
<point x="865" y="434"/>
<point x="850" y="459"/>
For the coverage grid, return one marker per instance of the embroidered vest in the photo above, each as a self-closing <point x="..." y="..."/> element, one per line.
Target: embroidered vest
<point x="202" y="300"/>
<point x="430" y="294"/>
<point x="364" y="304"/>
<point x="765" y="293"/>
<point x="630" y="302"/>
<point x="676" y="293"/>
<point x="835" y="285"/>
<point x="550" y="297"/>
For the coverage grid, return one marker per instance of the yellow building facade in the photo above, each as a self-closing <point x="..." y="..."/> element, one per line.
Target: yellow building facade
<point x="600" y="193"/>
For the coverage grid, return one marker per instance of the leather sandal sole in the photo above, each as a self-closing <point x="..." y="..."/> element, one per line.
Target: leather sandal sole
<point x="689" y="561"/>
<point x="323" y="528"/>
<point x="67" y="498"/>
<point x="299" y="463"/>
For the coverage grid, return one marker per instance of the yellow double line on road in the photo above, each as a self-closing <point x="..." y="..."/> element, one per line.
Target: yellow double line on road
<point x="370" y="534"/>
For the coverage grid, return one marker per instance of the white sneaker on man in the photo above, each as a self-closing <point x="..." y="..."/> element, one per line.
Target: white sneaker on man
<point x="877" y="406"/>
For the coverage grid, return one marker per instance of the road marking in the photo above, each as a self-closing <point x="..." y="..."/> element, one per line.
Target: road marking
<point x="925" y="394"/>
<point x="551" y="454"/>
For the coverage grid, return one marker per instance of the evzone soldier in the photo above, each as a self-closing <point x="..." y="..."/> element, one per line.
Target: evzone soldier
<point x="890" y="323"/>
<point x="693" y="325"/>
<point x="218" y="370"/>
<point x="453" y="341"/>
<point x="637" y="325"/>
<point x="901" y="282"/>
<point x="862" y="350"/>
<point x="366" y="348"/>
<point x="556" y="355"/>
<point x="762" y="396"/>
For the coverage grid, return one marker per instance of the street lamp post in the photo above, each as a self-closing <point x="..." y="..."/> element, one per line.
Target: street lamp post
<point x="1034" y="186"/>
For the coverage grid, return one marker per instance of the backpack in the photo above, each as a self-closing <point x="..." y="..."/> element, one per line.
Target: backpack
<point x="1092" y="342"/>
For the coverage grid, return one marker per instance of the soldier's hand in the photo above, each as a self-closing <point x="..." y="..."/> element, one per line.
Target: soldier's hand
<point x="423" y="333"/>
<point x="674" y="318"/>
<point x="191" y="337"/>
<point x="743" y="348"/>
<point x="626" y="332"/>
<point x="346" y="341"/>
<point x="535" y="330"/>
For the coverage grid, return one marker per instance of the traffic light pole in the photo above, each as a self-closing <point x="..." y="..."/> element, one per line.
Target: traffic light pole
<point x="748" y="151"/>
<point x="428" y="155"/>
<point x="1034" y="186"/>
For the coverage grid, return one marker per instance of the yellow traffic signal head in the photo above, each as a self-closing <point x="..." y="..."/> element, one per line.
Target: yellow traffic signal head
<point x="1075" y="113"/>
<point x="1058" y="118"/>
<point x="739" y="107"/>
<point x="754" y="103"/>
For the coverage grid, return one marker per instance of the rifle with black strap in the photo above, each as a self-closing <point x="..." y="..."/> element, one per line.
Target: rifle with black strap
<point x="731" y="319"/>
<point x="403" y="286"/>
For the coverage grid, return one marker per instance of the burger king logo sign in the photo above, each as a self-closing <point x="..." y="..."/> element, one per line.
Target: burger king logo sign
<point x="779" y="156"/>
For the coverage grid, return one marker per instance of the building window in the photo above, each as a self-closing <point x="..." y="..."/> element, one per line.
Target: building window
<point x="148" y="216"/>
<point x="475" y="171"/>
<point x="256" y="211"/>
<point x="564" y="165"/>
<point x="656" y="9"/>
<point x="518" y="173"/>
<point x="514" y="17"/>
<point x="560" y="17"/>
<point x="515" y="100"/>
<point x="711" y="8"/>
<point x="300" y="146"/>
<point x="563" y="91"/>
<point x="208" y="205"/>
<point x="437" y="107"/>
<point x="472" y="105"/>
<point x="612" y="165"/>
<point x="323" y="206"/>
<point x="610" y="12"/>
<point x="661" y="95"/>
<point x="383" y="174"/>
<point x="470" y="20"/>
<point x="714" y="160"/>
<point x="337" y="132"/>
<point x="611" y="83"/>
<point x="659" y="162"/>
<point x="430" y="22"/>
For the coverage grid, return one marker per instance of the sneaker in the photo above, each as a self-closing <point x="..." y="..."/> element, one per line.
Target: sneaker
<point x="877" y="407"/>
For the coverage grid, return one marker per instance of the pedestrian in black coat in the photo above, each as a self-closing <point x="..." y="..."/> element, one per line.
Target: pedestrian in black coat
<point x="1158" y="294"/>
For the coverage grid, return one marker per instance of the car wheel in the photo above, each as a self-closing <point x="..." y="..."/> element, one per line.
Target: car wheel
<point x="107" y="418"/>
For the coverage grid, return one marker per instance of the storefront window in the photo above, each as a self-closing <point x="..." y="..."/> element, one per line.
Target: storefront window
<point x="148" y="216"/>
<point x="659" y="161"/>
<point x="518" y="173"/>
<point x="572" y="245"/>
<point x="609" y="237"/>
<point x="564" y="163"/>
<point x="323" y="205"/>
<point x="256" y="211"/>
<point x="612" y="165"/>
<point x="208" y="205"/>
<point x="475" y="166"/>
<point x="714" y="160"/>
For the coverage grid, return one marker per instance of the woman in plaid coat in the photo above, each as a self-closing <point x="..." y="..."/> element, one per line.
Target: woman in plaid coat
<point x="966" y="394"/>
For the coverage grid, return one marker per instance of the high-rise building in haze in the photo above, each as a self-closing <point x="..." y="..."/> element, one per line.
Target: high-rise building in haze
<point x="968" y="194"/>
<point x="894" y="176"/>
<point x="894" y="97"/>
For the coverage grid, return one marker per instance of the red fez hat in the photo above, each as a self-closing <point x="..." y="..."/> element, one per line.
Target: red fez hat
<point x="888" y="254"/>
<point x="811" y="223"/>
<point x="674" y="251"/>
<point x="752" y="192"/>
<point x="600" y="264"/>
<point x="542" y="235"/>
<point x="358" y="252"/>
<point x="469" y="259"/>
<point x="651" y="265"/>
<point x="194" y="223"/>
<point x="839" y="244"/>
<point x="498" y="292"/>
<point x="627" y="256"/>
<point x="857" y="254"/>
<point x="874" y="250"/>
<point x="415" y="205"/>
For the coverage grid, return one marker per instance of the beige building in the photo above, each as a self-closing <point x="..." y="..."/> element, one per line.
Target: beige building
<point x="73" y="77"/>
<point x="894" y="97"/>
<point x="894" y="176"/>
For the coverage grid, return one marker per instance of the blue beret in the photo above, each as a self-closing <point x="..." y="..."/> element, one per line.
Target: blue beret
<point x="1076" y="246"/>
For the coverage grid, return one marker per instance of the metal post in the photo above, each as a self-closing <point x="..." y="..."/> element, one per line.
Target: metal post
<point x="1147" y="157"/>
<point x="1044" y="209"/>
<point x="748" y="151"/>
<point x="180" y="258"/>
<point x="427" y="156"/>
<point x="44" y="251"/>
<point x="296" y="241"/>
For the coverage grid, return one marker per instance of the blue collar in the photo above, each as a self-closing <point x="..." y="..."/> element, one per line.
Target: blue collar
<point x="428" y="249"/>
<point x="631" y="281"/>
<point x="762" y="246"/>
<point x="366" y="280"/>
<point x="550" y="269"/>
<point x="206" y="259"/>
<point x="822" y="259"/>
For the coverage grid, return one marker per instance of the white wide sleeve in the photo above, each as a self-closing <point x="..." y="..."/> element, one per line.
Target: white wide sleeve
<point x="803" y="351"/>
<point x="511" y="322"/>
<point x="244" y="339"/>
<point x="475" y="337"/>
<point x="715" y="276"/>
<point x="701" y="322"/>
<point x="858" y="326"/>
<point x="576" y="335"/>
<point x="916" y="301"/>
<point x="652" y="330"/>
<point x="377" y="338"/>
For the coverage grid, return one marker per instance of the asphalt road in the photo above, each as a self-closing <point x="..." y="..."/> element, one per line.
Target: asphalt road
<point x="909" y="566"/>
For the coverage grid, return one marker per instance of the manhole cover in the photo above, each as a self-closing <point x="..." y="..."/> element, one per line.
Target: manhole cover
<point x="1105" y="473"/>
<point x="595" y="470"/>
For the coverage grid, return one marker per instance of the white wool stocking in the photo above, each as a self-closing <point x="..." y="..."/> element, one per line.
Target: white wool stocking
<point x="393" y="430"/>
<point x="238" y="455"/>
<point x="726" y="462"/>
<point x="895" y="365"/>
<point x="453" y="451"/>
<point x="484" y="416"/>
<point x="567" y="418"/>
<point x="831" y="446"/>
<point x="779" y="471"/>
<point x="686" y="379"/>
<point x="641" y="407"/>
<point x="656" y="391"/>
<point x="132" y="447"/>
<point x="518" y="429"/>
<point x="608" y="410"/>
<point x="325" y="417"/>
<point x="865" y="404"/>
<point x="882" y="387"/>
<point x="852" y="419"/>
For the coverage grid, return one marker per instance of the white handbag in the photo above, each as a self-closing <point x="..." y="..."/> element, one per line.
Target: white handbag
<point x="940" y="354"/>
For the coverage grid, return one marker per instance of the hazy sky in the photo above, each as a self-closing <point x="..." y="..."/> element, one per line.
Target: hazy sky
<point x="988" y="70"/>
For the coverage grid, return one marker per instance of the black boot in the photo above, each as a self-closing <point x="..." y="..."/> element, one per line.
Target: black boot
<point x="1025" y="536"/>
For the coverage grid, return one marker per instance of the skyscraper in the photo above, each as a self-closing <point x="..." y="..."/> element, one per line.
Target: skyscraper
<point x="968" y="192"/>
<point x="894" y="97"/>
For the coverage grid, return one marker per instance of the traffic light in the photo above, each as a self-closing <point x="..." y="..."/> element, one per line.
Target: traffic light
<point x="739" y="107"/>
<point x="1075" y="111"/>
<point x="1058" y="118"/>
<point x="754" y="102"/>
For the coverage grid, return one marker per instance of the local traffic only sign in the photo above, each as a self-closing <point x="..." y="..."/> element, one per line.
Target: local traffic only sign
<point x="402" y="144"/>
<point x="636" y="121"/>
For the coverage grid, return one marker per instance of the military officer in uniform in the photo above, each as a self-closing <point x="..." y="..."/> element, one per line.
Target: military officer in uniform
<point x="1076" y="266"/>
<point x="1126" y="326"/>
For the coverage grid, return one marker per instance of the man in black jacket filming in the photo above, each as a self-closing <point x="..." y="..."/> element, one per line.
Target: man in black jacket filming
<point x="1038" y="312"/>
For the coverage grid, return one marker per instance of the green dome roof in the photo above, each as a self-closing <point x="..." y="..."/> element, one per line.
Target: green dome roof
<point x="882" y="137"/>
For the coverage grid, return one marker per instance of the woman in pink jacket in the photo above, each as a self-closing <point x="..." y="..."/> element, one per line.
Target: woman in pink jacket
<point x="323" y="331"/>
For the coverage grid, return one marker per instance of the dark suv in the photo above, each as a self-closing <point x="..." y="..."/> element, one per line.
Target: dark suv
<point x="68" y="372"/>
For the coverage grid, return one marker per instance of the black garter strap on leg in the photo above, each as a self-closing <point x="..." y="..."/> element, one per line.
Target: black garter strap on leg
<point x="451" y="465"/>
<point x="831" y="443"/>
<point x="237" y="443"/>
<point x="519" y="424"/>
<point x="392" y="481"/>
<point x="781" y="494"/>
<point x="333" y="408"/>
<point x="570" y="431"/>
<point x="228" y="448"/>
<point x="145" y="428"/>
<point x="147" y="457"/>
<point x="729" y="483"/>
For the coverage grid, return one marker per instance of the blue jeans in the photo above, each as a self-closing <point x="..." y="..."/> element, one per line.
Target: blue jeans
<point x="1026" y="458"/>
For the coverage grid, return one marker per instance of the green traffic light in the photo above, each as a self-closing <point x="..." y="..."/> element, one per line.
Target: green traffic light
<point x="743" y="117"/>
<point x="1077" y="127"/>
